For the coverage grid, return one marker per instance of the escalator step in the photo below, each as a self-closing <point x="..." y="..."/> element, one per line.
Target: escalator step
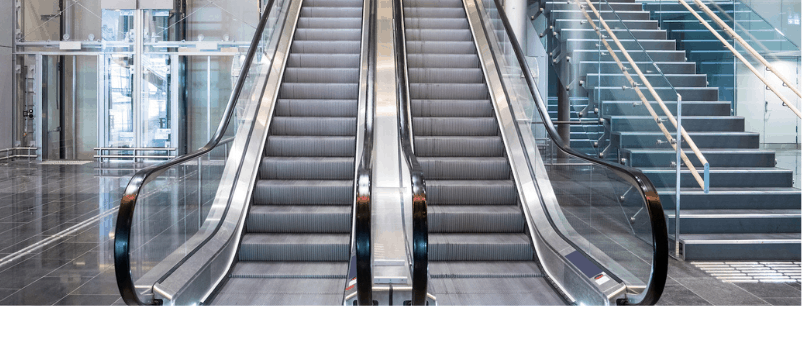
<point x="309" y="146"/>
<point x="474" y="219"/>
<point x="303" y="192"/>
<point x="472" y="192"/>
<point x="469" y="168"/>
<point x="299" y="219"/>
<point x="454" y="146"/>
<point x="480" y="247"/>
<point x="294" y="247"/>
<point x="307" y="168"/>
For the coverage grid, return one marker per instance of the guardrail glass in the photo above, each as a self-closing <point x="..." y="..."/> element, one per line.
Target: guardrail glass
<point x="170" y="202"/>
<point x="608" y="211"/>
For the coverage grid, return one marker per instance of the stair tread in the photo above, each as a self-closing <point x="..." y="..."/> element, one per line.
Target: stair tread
<point x="735" y="213"/>
<point x="735" y="238"/>
<point x="289" y="269"/>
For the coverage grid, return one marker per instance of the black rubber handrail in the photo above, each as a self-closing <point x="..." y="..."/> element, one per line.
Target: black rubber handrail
<point x="418" y="186"/>
<point x="363" y="199"/>
<point x="123" y="225"/>
<point x="658" y="273"/>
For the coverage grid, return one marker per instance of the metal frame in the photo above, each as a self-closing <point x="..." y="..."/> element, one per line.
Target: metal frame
<point x="419" y="294"/>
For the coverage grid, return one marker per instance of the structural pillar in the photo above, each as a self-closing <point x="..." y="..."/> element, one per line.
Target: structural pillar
<point x="563" y="117"/>
<point x="516" y="12"/>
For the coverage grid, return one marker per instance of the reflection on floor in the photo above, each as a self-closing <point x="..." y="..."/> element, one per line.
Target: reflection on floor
<point x="56" y="228"/>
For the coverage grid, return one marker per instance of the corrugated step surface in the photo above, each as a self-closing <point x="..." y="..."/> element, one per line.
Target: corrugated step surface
<point x="475" y="221"/>
<point x="751" y="211"/>
<point x="295" y="249"/>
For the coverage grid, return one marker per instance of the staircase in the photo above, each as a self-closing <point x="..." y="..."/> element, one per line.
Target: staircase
<point x="752" y="211"/>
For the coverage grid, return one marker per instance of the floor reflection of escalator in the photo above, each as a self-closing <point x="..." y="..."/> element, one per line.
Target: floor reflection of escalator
<point x="480" y="252"/>
<point x="295" y="249"/>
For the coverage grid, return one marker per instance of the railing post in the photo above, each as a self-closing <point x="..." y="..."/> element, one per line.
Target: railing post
<point x="678" y="182"/>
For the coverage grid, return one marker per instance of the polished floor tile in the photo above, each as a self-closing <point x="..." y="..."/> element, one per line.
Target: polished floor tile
<point x="38" y="202"/>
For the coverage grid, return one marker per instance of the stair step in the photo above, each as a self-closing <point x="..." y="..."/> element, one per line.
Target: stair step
<point x="627" y="93"/>
<point x="707" y="140"/>
<point x="303" y="192"/>
<point x="289" y="270"/>
<point x="309" y="146"/>
<point x="311" y="168"/>
<point x="483" y="269"/>
<point x="610" y="67"/>
<point x="472" y="192"/>
<point x="458" y="146"/>
<point x="472" y="168"/>
<point x="742" y="247"/>
<point x="636" y="55"/>
<point x="631" y="24"/>
<point x="475" y="219"/>
<point x="455" y="126"/>
<point x="723" y="177"/>
<point x="690" y="124"/>
<point x="690" y="108"/>
<point x="294" y="247"/>
<point x="723" y="158"/>
<point x="736" y="221"/>
<point x="314" y="126"/>
<point x="733" y="198"/>
<point x="299" y="219"/>
<point x="479" y="247"/>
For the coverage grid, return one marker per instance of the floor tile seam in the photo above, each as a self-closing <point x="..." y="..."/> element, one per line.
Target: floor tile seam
<point x="690" y="290"/>
<point x="53" y="238"/>
<point x="715" y="279"/>
<point x="83" y="284"/>
<point x="620" y="244"/>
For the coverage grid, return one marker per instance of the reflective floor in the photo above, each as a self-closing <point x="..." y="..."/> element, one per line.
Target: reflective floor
<point x="56" y="228"/>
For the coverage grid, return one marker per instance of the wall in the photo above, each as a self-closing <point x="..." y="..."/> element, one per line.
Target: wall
<point x="6" y="70"/>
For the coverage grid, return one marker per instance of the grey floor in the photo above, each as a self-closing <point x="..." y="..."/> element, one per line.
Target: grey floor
<point x="56" y="228"/>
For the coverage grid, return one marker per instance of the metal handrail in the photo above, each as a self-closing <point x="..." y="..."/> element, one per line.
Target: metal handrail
<point x="739" y="56"/>
<point x="660" y="258"/>
<point x="123" y="226"/>
<point x="363" y="199"/>
<point x="418" y="186"/>
<point x="673" y="142"/>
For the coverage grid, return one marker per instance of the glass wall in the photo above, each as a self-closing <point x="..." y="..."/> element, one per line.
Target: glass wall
<point x="126" y="78"/>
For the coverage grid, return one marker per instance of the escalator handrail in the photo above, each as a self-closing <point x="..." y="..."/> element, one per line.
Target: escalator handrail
<point x="363" y="199"/>
<point x="418" y="186"/>
<point x="123" y="226"/>
<point x="658" y="272"/>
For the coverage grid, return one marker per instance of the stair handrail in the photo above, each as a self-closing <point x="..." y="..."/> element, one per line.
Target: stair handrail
<point x="739" y="56"/>
<point x="672" y="141"/>
<point x="418" y="186"/>
<point x="126" y="211"/>
<point x="639" y="181"/>
<point x="363" y="200"/>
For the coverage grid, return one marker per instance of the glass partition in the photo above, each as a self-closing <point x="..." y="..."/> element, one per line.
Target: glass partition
<point x="594" y="205"/>
<point x="171" y="204"/>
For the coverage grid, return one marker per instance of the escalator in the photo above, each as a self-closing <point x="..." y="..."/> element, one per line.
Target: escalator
<point x="277" y="206"/>
<point x="480" y="251"/>
<point x="295" y="250"/>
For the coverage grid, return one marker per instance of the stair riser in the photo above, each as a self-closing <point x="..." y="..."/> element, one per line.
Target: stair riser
<point x="610" y="67"/>
<point x="666" y="94"/>
<point x="719" y="200"/>
<point x="294" y="252"/>
<point x="628" y="141"/>
<point x="479" y="252"/>
<point x="725" y="180"/>
<point x="594" y="80"/>
<point x="743" y="252"/>
<point x="728" y="160"/>
<point x="283" y="194"/>
<point x="737" y="225"/>
<point x="719" y="109"/>
<point x="737" y="124"/>
<point x="662" y="56"/>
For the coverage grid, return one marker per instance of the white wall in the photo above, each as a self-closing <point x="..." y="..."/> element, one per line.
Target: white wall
<point x="762" y="109"/>
<point x="5" y="73"/>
